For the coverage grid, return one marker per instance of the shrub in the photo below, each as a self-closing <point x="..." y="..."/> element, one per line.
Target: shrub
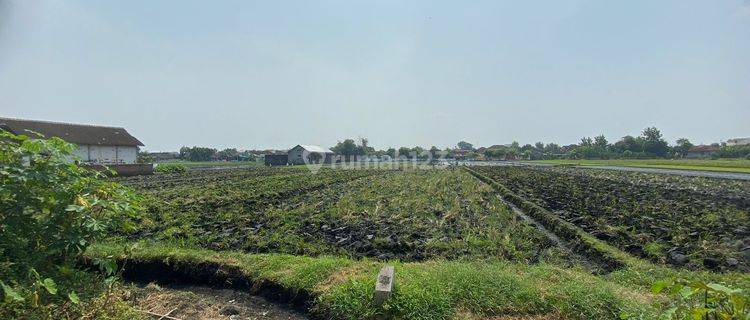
<point x="51" y="210"/>
<point x="170" y="168"/>
<point x="700" y="300"/>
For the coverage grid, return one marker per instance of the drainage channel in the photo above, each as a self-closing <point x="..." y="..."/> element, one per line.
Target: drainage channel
<point x="177" y="302"/>
<point x="561" y="244"/>
<point x="182" y="290"/>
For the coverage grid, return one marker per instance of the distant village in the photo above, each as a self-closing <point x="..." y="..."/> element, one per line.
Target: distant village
<point x="116" y="148"/>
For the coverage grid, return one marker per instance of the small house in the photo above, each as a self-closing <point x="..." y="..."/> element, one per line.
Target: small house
<point x="738" y="142"/>
<point x="702" y="151"/>
<point x="307" y="154"/>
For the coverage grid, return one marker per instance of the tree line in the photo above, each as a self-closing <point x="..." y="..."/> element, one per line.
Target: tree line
<point x="196" y="154"/>
<point x="648" y="145"/>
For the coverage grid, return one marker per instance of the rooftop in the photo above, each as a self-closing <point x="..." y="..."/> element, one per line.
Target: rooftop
<point x="70" y="132"/>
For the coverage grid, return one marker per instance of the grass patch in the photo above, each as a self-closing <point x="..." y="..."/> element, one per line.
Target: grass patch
<point x="434" y="289"/>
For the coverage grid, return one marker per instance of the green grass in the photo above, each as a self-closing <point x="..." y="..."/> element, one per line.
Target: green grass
<point x="722" y="165"/>
<point x="342" y="288"/>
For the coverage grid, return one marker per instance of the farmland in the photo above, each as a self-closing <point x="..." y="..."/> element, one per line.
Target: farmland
<point x="697" y="223"/>
<point x="718" y="165"/>
<point x="460" y="250"/>
<point x="411" y="215"/>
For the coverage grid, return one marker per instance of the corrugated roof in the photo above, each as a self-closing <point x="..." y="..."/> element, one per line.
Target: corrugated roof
<point x="74" y="133"/>
<point x="704" y="148"/>
<point x="311" y="148"/>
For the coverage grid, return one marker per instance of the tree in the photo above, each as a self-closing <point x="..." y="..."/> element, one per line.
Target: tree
<point x="419" y="152"/>
<point x="144" y="157"/>
<point x="651" y="134"/>
<point x="228" y="154"/>
<point x="496" y="153"/>
<point x="404" y="152"/>
<point x="527" y="154"/>
<point x="628" y="143"/>
<point x="553" y="148"/>
<point x="539" y="146"/>
<point x="683" y="146"/>
<point x="586" y="142"/>
<point x="601" y="141"/>
<point x="347" y="148"/>
<point x="197" y="154"/>
<point x="448" y="152"/>
<point x="391" y="152"/>
<point x="364" y="147"/>
<point x="653" y="142"/>
<point x="463" y="145"/>
<point x="434" y="152"/>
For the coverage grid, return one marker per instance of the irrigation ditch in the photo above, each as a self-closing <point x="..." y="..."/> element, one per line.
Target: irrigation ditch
<point x="568" y="235"/>
<point x="212" y="275"/>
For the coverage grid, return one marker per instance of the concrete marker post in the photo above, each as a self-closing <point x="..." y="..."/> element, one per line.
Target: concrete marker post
<point x="384" y="284"/>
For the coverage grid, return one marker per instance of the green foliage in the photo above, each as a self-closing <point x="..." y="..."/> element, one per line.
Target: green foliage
<point x="51" y="210"/>
<point x="463" y="145"/>
<point x="197" y="154"/>
<point x="734" y="152"/>
<point x="170" y="168"/>
<point x="229" y="154"/>
<point x="349" y="148"/>
<point x="695" y="299"/>
<point x="144" y="157"/>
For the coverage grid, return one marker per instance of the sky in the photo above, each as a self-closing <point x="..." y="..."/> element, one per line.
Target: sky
<point x="273" y="74"/>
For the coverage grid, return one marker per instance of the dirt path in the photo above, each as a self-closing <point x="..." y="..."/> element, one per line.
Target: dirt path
<point x="198" y="302"/>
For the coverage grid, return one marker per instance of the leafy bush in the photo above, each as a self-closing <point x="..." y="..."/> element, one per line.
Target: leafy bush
<point x="51" y="210"/>
<point x="170" y="168"/>
<point x="700" y="300"/>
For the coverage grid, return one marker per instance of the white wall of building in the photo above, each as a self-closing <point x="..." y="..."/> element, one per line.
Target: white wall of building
<point x="295" y="156"/>
<point x="107" y="154"/>
<point x="738" y="142"/>
<point x="127" y="154"/>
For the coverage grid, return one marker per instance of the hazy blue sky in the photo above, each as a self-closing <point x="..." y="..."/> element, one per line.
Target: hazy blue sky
<point x="272" y="74"/>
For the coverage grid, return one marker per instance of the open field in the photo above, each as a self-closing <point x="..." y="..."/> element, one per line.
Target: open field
<point x="459" y="250"/>
<point x="719" y="165"/>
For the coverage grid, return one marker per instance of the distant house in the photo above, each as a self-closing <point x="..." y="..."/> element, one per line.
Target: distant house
<point x="96" y="144"/>
<point x="460" y="154"/>
<point x="306" y="154"/>
<point x="702" y="151"/>
<point x="738" y="142"/>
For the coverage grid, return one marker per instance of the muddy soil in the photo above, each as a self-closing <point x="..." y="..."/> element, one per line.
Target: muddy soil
<point x="203" y="303"/>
